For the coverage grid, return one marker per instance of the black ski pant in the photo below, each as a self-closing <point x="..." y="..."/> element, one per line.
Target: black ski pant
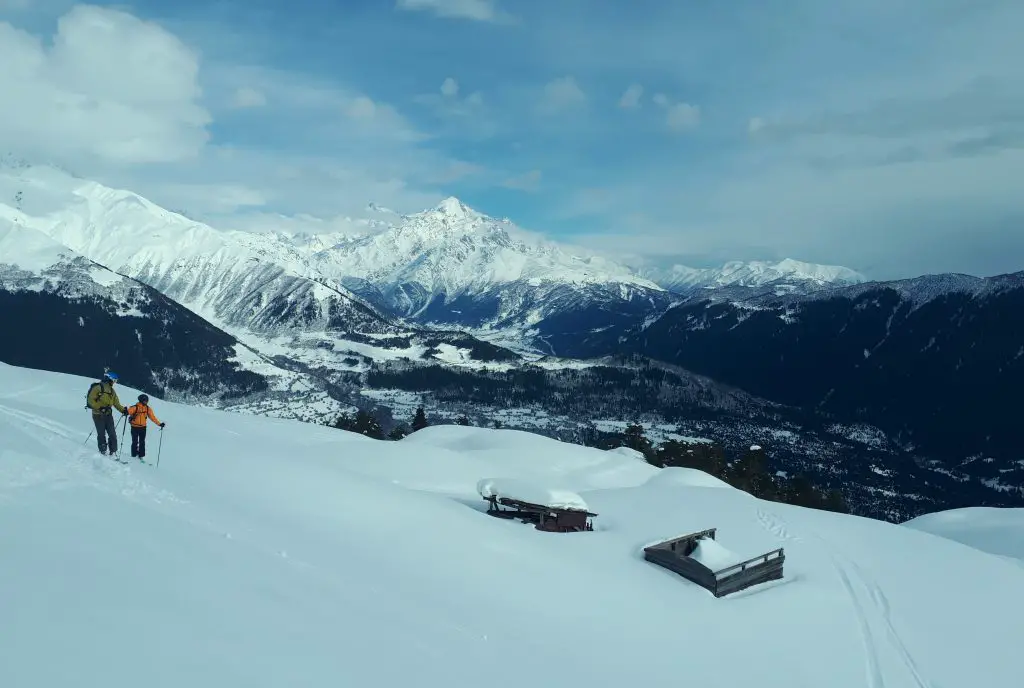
<point x="106" y="432"/>
<point x="139" y="442"/>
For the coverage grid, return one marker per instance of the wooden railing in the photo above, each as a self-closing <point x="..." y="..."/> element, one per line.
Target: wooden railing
<point x="742" y="566"/>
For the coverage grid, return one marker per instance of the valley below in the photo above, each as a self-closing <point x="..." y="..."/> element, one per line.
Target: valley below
<point x="897" y="395"/>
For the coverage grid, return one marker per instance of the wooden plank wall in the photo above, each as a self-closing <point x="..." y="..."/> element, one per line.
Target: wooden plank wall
<point x="684" y="566"/>
<point x="753" y="575"/>
<point x="674" y="556"/>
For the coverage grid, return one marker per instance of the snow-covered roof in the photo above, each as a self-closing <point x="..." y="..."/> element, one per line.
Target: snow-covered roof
<point x="532" y="493"/>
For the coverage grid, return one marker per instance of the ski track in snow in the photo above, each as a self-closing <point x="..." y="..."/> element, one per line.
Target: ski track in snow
<point x="872" y="667"/>
<point x="119" y="477"/>
<point x="107" y="472"/>
<point x="38" y="421"/>
<point x="876" y="600"/>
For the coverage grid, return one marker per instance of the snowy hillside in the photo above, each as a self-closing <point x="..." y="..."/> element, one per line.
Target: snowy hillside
<point x="453" y="266"/>
<point x="250" y="285"/>
<point x="265" y="553"/>
<point x="936" y="361"/>
<point x="454" y="249"/>
<point x="61" y="311"/>
<point x="449" y="266"/>
<point x="786" y="276"/>
<point x="997" y="531"/>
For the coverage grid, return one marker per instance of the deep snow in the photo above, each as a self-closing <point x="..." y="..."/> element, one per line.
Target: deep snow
<point x="995" y="530"/>
<point x="267" y="552"/>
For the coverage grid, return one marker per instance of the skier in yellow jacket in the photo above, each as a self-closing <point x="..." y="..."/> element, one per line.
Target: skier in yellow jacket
<point x="100" y="399"/>
<point x="138" y="416"/>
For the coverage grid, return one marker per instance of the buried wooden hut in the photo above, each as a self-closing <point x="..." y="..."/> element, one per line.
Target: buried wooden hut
<point x="681" y="556"/>
<point x="557" y="511"/>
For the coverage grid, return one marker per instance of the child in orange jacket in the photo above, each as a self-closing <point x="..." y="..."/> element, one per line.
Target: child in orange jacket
<point x="138" y="416"/>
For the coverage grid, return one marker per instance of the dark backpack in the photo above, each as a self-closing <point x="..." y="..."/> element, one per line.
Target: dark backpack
<point x="95" y="384"/>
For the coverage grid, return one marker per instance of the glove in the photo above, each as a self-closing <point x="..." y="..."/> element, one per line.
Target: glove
<point x="162" y="425"/>
<point x="124" y="412"/>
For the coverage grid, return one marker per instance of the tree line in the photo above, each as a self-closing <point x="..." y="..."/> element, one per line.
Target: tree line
<point x="748" y="472"/>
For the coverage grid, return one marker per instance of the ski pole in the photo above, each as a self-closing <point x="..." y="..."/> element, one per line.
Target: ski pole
<point x="120" y="447"/>
<point x="87" y="438"/>
<point x="160" y="447"/>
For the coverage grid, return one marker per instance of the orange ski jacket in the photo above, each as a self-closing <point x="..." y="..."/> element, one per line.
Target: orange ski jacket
<point x="137" y="415"/>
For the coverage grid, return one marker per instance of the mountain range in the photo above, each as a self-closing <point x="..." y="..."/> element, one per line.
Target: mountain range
<point x="66" y="313"/>
<point x="463" y="313"/>
<point x="451" y="266"/>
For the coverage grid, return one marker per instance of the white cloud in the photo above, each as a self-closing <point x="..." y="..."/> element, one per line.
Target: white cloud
<point x="245" y="97"/>
<point x="319" y="110"/>
<point x="361" y="107"/>
<point x="450" y="88"/>
<point x="109" y="86"/>
<point x="530" y="181"/>
<point x="213" y="198"/>
<point x="678" y="116"/>
<point x="454" y="171"/>
<point x="562" y="94"/>
<point x="631" y="97"/>
<point x="477" y="10"/>
<point x="457" y="117"/>
<point x="682" y="116"/>
<point x="117" y="99"/>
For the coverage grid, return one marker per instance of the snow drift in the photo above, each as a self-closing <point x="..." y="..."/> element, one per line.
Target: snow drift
<point x="266" y="552"/>
<point x="995" y="530"/>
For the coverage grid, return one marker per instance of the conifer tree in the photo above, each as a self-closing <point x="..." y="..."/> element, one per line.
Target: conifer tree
<point x="636" y="438"/>
<point x="367" y="424"/>
<point x="419" y="420"/>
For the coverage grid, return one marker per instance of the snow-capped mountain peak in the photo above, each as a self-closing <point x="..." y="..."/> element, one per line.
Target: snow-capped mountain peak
<point x="455" y="209"/>
<point x="453" y="248"/>
<point x="450" y="217"/>
<point x="787" y="274"/>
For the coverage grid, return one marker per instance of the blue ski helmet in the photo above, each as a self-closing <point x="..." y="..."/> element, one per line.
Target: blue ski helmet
<point x="111" y="376"/>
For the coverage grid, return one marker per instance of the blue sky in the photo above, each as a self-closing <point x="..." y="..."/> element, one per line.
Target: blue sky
<point x="884" y="135"/>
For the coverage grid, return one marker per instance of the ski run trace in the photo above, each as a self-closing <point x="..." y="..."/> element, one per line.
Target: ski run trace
<point x="270" y="552"/>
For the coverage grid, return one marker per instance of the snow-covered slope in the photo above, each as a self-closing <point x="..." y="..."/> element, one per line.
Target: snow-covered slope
<point x="453" y="249"/>
<point x="62" y="311"/>
<point x="785" y="276"/>
<point x="32" y="260"/>
<point x="993" y="530"/>
<point x="451" y="265"/>
<point x="253" y="286"/>
<point x="266" y="553"/>
<point x="214" y="273"/>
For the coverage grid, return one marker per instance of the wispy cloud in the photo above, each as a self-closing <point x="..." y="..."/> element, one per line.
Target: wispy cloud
<point x="245" y="97"/>
<point x="530" y="181"/>
<point x="562" y="94"/>
<point x="631" y="97"/>
<point x="887" y="136"/>
<point x="682" y="116"/>
<point x="477" y="10"/>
